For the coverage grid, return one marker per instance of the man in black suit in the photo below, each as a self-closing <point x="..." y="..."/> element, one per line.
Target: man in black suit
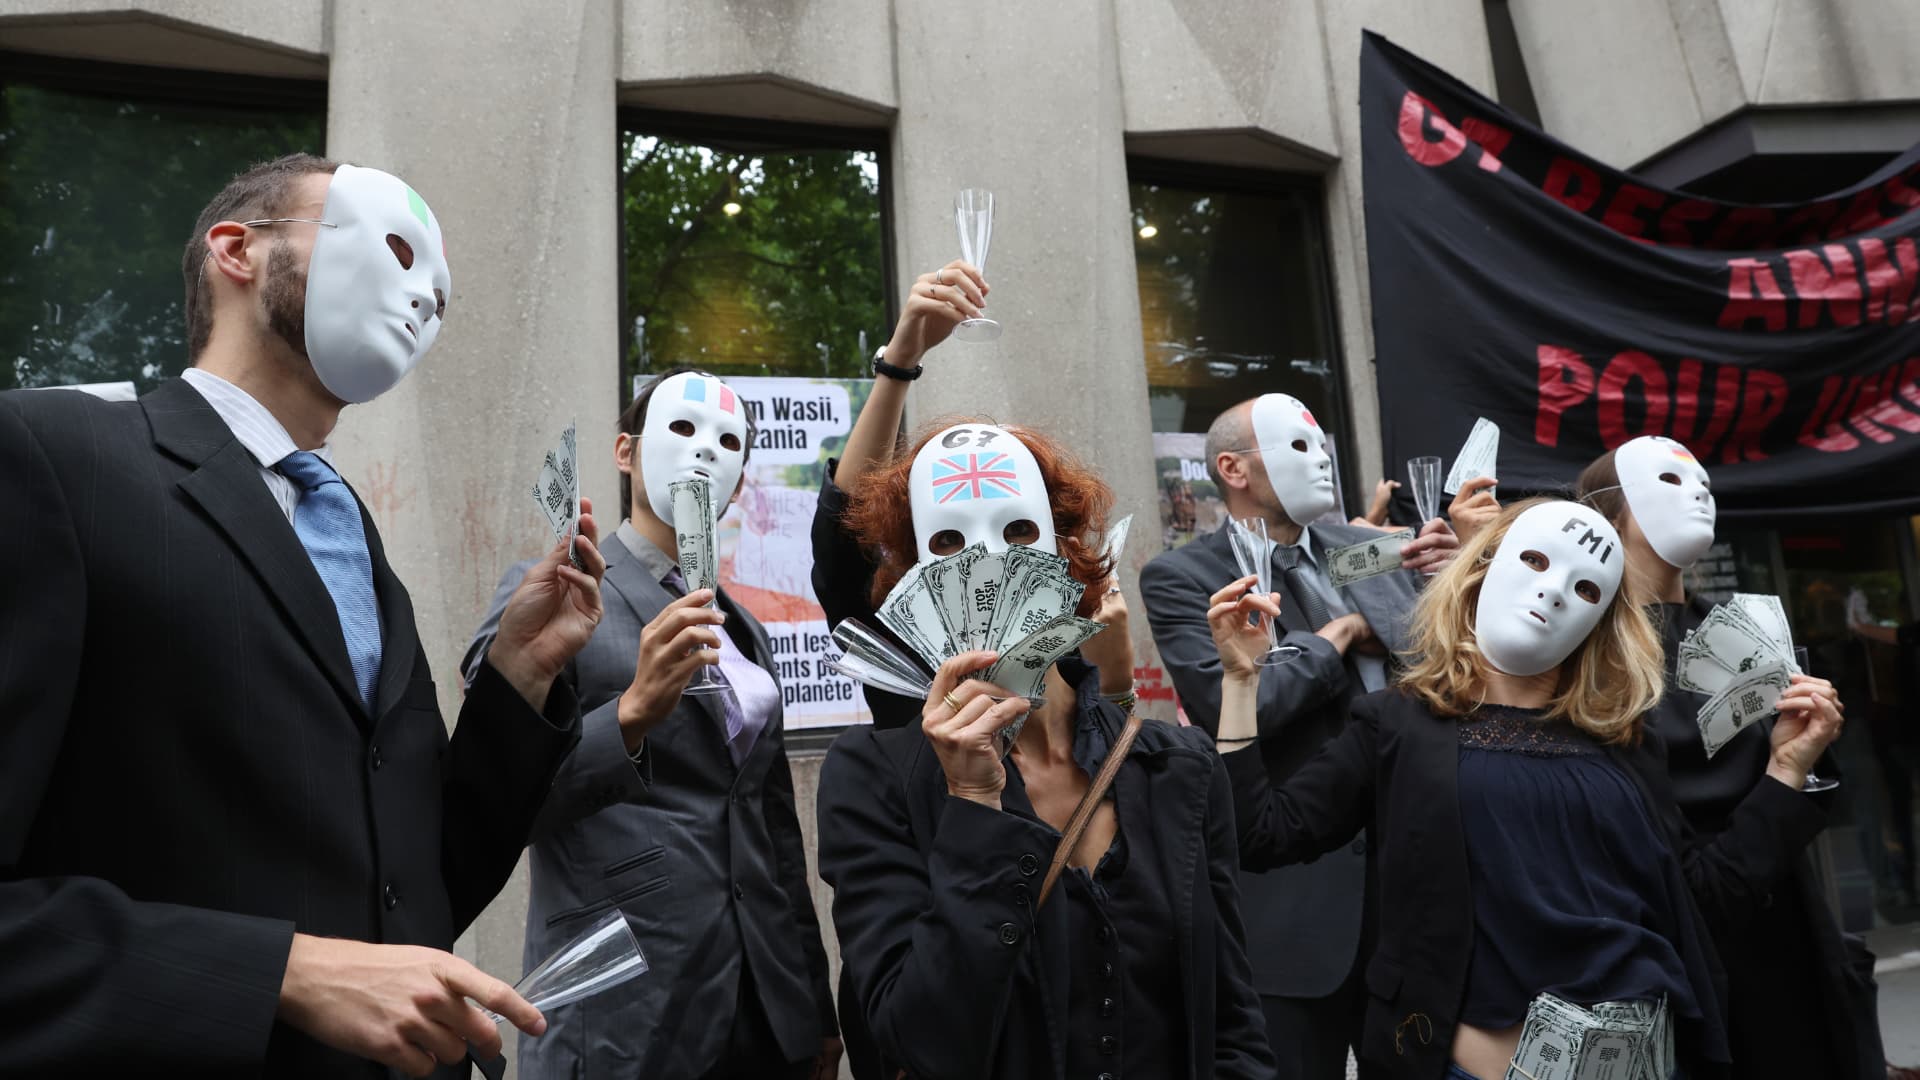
<point x="678" y="807"/>
<point x="1268" y="459"/>
<point x="235" y="838"/>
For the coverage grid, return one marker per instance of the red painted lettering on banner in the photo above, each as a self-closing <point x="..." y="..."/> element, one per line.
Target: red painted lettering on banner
<point x="1623" y="212"/>
<point x="1900" y="387"/>
<point x="1814" y="285"/>
<point x="1874" y="393"/>
<point x="1726" y="403"/>
<point x="1673" y="223"/>
<point x="1491" y="138"/>
<point x="1565" y="381"/>
<point x="1828" y="436"/>
<point x="1622" y="371"/>
<point x="1753" y="293"/>
<point x="1890" y="281"/>
<point x="1743" y="227"/>
<point x="1863" y="213"/>
<point x="1761" y="402"/>
<point x="1574" y="184"/>
<point x="1808" y="225"/>
<point x="1416" y="113"/>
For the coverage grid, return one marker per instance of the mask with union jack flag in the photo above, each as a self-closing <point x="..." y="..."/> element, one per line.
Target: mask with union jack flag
<point x="977" y="484"/>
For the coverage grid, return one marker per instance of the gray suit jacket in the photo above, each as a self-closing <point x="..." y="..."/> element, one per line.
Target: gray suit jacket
<point x="1303" y="922"/>
<point x="706" y="859"/>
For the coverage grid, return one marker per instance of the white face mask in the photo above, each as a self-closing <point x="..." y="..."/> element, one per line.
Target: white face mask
<point x="695" y="426"/>
<point x="1550" y="581"/>
<point x="375" y="284"/>
<point x="977" y="484"/>
<point x="1667" y="490"/>
<point x="1294" y="450"/>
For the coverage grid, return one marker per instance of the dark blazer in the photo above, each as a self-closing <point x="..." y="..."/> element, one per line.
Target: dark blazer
<point x="706" y="859"/>
<point x="954" y="972"/>
<point x="1303" y="922"/>
<point x="843" y="580"/>
<point x="1395" y="770"/>
<point x="187" y="774"/>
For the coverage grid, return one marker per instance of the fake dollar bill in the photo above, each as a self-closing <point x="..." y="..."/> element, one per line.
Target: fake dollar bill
<point x="557" y="490"/>
<point x="946" y="583"/>
<point x="1476" y="457"/>
<point x="1753" y="697"/>
<point x="913" y="614"/>
<point x="1022" y="667"/>
<point x="1115" y="543"/>
<point x="1371" y="558"/>
<point x="693" y="532"/>
<point x="1615" y="1040"/>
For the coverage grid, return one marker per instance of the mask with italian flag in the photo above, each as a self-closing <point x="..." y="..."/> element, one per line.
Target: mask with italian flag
<point x="376" y="284"/>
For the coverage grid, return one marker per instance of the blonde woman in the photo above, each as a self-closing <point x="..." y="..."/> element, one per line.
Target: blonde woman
<point x="1520" y="843"/>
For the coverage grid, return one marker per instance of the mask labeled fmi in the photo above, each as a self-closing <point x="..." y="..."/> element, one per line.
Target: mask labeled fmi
<point x="377" y="284"/>
<point x="1549" y="582"/>
<point x="1670" y="496"/>
<point x="977" y="484"/>
<point x="1294" y="450"/>
<point x="696" y="426"/>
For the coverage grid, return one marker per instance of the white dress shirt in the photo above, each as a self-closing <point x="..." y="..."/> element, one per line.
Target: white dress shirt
<point x="263" y="436"/>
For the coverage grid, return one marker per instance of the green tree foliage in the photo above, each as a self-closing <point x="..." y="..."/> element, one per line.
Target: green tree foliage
<point x="97" y="196"/>
<point x="783" y="285"/>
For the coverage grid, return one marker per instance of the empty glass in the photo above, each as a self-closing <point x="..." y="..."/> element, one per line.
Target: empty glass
<point x="1814" y="782"/>
<point x="973" y="216"/>
<point x="1253" y="551"/>
<point x="605" y="955"/>
<point x="872" y="660"/>
<point x="1423" y="475"/>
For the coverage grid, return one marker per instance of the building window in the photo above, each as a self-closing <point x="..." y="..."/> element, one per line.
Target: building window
<point x="1234" y="303"/>
<point x="751" y="251"/>
<point x="103" y="169"/>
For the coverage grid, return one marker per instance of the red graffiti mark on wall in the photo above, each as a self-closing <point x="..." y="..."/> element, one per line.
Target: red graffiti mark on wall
<point x="385" y="494"/>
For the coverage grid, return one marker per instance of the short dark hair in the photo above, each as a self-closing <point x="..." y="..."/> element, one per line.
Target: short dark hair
<point x="634" y="417"/>
<point x="263" y="191"/>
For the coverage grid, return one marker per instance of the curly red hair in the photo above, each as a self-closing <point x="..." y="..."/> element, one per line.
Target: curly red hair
<point x="880" y="514"/>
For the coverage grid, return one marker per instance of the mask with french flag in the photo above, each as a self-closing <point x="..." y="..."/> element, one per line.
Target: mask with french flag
<point x="696" y="426"/>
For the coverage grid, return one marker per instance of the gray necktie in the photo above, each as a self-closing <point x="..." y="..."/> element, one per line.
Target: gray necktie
<point x="1312" y="605"/>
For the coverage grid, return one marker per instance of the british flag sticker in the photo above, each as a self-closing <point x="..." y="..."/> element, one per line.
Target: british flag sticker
<point x="965" y="477"/>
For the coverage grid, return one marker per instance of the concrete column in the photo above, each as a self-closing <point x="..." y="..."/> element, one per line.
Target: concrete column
<point x="1024" y="99"/>
<point x="501" y="115"/>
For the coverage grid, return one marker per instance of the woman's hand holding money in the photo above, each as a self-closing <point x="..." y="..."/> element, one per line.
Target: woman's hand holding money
<point x="1809" y="721"/>
<point x="678" y="640"/>
<point x="1111" y="650"/>
<point x="1233" y="615"/>
<point x="1474" y="507"/>
<point x="960" y="721"/>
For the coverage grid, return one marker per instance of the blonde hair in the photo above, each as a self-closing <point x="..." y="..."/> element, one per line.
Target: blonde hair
<point x="1612" y="679"/>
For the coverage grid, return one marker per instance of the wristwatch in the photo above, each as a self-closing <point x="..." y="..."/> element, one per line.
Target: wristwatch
<point x="881" y="367"/>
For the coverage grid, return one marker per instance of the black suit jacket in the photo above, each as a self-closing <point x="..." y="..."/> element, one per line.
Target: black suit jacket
<point x="1304" y="922"/>
<point x="187" y="774"/>
<point x="843" y="580"/>
<point x="706" y="859"/>
<point x="945" y="958"/>
<point x="1395" y="769"/>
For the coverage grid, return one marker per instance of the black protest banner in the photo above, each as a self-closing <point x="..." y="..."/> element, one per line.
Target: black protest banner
<point x="1578" y="307"/>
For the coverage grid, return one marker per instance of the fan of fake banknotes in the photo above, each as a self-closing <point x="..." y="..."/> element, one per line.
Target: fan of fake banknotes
<point x="1741" y="657"/>
<point x="557" y="490"/>
<point x="1614" y="1040"/>
<point x="1019" y="603"/>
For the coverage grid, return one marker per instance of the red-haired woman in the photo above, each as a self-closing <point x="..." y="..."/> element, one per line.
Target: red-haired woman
<point x="937" y="837"/>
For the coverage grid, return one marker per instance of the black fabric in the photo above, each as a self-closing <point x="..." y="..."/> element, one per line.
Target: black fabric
<point x="1576" y="306"/>
<point x="1311" y="1036"/>
<point x="751" y="1051"/>
<point x="187" y="774"/>
<point x="947" y="961"/>
<point x="1561" y="851"/>
<point x="1396" y="768"/>
<point x="1785" y="956"/>
<point x="843" y="581"/>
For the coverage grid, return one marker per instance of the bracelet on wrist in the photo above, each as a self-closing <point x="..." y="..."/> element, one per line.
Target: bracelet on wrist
<point x="892" y="371"/>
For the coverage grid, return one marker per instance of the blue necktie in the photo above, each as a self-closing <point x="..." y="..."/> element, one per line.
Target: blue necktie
<point x="327" y="520"/>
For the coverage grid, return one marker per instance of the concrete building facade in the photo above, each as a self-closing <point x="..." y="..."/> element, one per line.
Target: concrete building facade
<point x="505" y="114"/>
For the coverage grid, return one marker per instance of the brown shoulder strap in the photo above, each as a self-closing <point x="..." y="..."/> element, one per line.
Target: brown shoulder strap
<point x="1077" y="824"/>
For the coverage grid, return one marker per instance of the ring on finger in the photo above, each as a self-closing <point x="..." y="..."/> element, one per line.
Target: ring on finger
<point x="950" y="701"/>
<point x="940" y="275"/>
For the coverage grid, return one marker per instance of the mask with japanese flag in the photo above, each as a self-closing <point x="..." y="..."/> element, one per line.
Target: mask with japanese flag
<point x="977" y="484"/>
<point x="1670" y="496"/>
<point x="695" y="427"/>
<point x="1294" y="450"/>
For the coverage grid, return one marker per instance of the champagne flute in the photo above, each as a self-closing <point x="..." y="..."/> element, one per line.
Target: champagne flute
<point x="1815" y="783"/>
<point x="973" y="216"/>
<point x="1424" y="475"/>
<point x="693" y="531"/>
<point x="604" y="955"/>
<point x="1253" y="551"/>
